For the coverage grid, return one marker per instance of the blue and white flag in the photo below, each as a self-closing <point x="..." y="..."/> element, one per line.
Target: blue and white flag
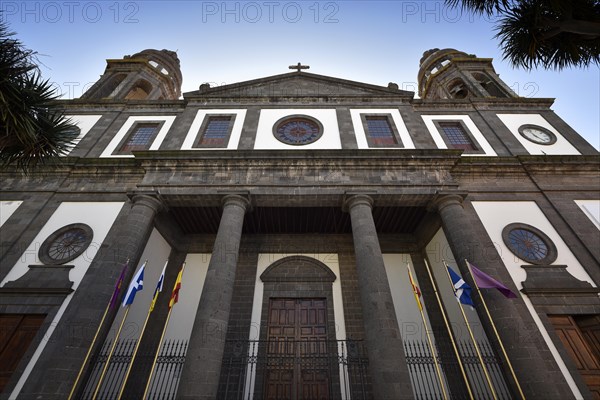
<point x="461" y="289"/>
<point x="137" y="283"/>
<point x="159" y="287"/>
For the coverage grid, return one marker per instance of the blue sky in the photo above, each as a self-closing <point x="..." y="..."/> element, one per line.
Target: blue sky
<point x="225" y="42"/>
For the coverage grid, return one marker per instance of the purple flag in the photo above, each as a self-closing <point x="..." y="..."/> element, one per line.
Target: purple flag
<point x="115" y="296"/>
<point x="484" y="281"/>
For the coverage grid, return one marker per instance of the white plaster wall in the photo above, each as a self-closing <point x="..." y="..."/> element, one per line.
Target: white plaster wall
<point x="407" y="311"/>
<point x="514" y="121"/>
<point x="157" y="252"/>
<point x="409" y="318"/>
<point x="85" y="123"/>
<point x="361" y="136"/>
<point x="437" y="136"/>
<point x="168" y="121"/>
<point x="192" y="283"/>
<point x="7" y="208"/>
<point x="495" y="216"/>
<point x="438" y="251"/>
<point x="100" y="217"/>
<point x="268" y="118"/>
<point x="194" y="130"/>
<point x="591" y="208"/>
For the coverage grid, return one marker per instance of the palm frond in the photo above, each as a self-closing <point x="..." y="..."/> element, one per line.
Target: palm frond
<point x="488" y="7"/>
<point x="32" y="129"/>
<point x="531" y="36"/>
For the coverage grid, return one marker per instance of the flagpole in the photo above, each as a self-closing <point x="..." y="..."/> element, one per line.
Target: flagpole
<point x="87" y="356"/>
<point x="137" y="346"/>
<point x="89" y="352"/>
<point x="487" y="311"/>
<point x="485" y="371"/>
<point x="458" y="357"/>
<point x="431" y="348"/>
<point x="112" y="348"/>
<point x="162" y="336"/>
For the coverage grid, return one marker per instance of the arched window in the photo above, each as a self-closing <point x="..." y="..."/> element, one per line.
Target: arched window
<point x="458" y="89"/>
<point x="489" y="85"/>
<point x="109" y="87"/>
<point x="140" y="91"/>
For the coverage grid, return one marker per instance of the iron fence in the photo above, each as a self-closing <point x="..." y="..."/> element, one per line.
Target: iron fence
<point x="292" y="369"/>
<point x="300" y="370"/>
<point x="425" y="381"/>
<point x="166" y="371"/>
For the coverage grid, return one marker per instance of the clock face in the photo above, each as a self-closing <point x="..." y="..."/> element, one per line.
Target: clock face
<point x="298" y="130"/>
<point x="537" y="134"/>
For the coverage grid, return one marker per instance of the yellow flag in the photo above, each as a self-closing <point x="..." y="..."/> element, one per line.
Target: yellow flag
<point x="175" y="294"/>
<point x="415" y="289"/>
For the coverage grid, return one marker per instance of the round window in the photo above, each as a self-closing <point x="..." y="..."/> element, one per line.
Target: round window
<point x="298" y="130"/>
<point x="66" y="244"/>
<point x="529" y="244"/>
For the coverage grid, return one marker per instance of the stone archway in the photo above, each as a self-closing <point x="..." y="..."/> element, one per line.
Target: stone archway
<point x="297" y="325"/>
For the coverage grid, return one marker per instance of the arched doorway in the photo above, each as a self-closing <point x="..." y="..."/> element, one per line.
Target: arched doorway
<point x="298" y="328"/>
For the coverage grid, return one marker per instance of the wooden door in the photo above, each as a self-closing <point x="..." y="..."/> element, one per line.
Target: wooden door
<point x="16" y="333"/>
<point x="297" y="352"/>
<point x="581" y="338"/>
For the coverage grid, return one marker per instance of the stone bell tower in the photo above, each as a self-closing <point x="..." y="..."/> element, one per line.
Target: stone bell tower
<point x="147" y="75"/>
<point x="452" y="74"/>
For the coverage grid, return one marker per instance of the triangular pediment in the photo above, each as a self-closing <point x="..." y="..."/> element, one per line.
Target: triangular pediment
<point x="299" y="84"/>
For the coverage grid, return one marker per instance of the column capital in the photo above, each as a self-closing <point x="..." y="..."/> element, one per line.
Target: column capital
<point x="354" y="199"/>
<point x="150" y="199"/>
<point x="236" y="200"/>
<point x="442" y="200"/>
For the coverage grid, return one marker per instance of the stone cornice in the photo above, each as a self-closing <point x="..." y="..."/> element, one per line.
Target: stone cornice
<point x="108" y="105"/>
<point x="566" y="162"/>
<point x="229" y="89"/>
<point x="488" y="103"/>
<point x="417" y="156"/>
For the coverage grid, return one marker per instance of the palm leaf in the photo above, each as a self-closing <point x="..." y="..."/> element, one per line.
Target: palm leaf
<point x="32" y="129"/>
<point x="531" y="36"/>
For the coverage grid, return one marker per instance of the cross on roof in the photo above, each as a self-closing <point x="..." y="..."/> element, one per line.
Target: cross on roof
<point x="299" y="67"/>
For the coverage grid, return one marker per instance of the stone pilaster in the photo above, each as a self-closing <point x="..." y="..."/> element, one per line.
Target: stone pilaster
<point x="200" y="376"/>
<point x="75" y="331"/>
<point x="530" y="356"/>
<point x="387" y="362"/>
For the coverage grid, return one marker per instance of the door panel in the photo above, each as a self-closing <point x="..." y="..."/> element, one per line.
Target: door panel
<point x="579" y="336"/>
<point x="16" y="333"/>
<point x="297" y="351"/>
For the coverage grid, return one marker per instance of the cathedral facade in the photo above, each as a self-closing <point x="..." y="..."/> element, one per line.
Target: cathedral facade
<point x="312" y="235"/>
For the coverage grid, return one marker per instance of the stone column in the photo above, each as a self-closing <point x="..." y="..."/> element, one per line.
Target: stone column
<point x="139" y="227"/>
<point x="530" y="356"/>
<point x="75" y="331"/>
<point x="200" y="376"/>
<point x="387" y="362"/>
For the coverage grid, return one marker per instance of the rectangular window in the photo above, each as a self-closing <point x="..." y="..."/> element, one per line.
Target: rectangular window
<point x="215" y="131"/>
<point x="456" y="136"/>
<point x="140" y="138"/>
<point x="380" y="132"/>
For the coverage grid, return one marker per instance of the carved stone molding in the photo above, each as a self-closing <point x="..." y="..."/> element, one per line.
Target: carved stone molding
<point x="42" y="279"/>
<point x="554" y="280"/>
<point x="298" y="269"/>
